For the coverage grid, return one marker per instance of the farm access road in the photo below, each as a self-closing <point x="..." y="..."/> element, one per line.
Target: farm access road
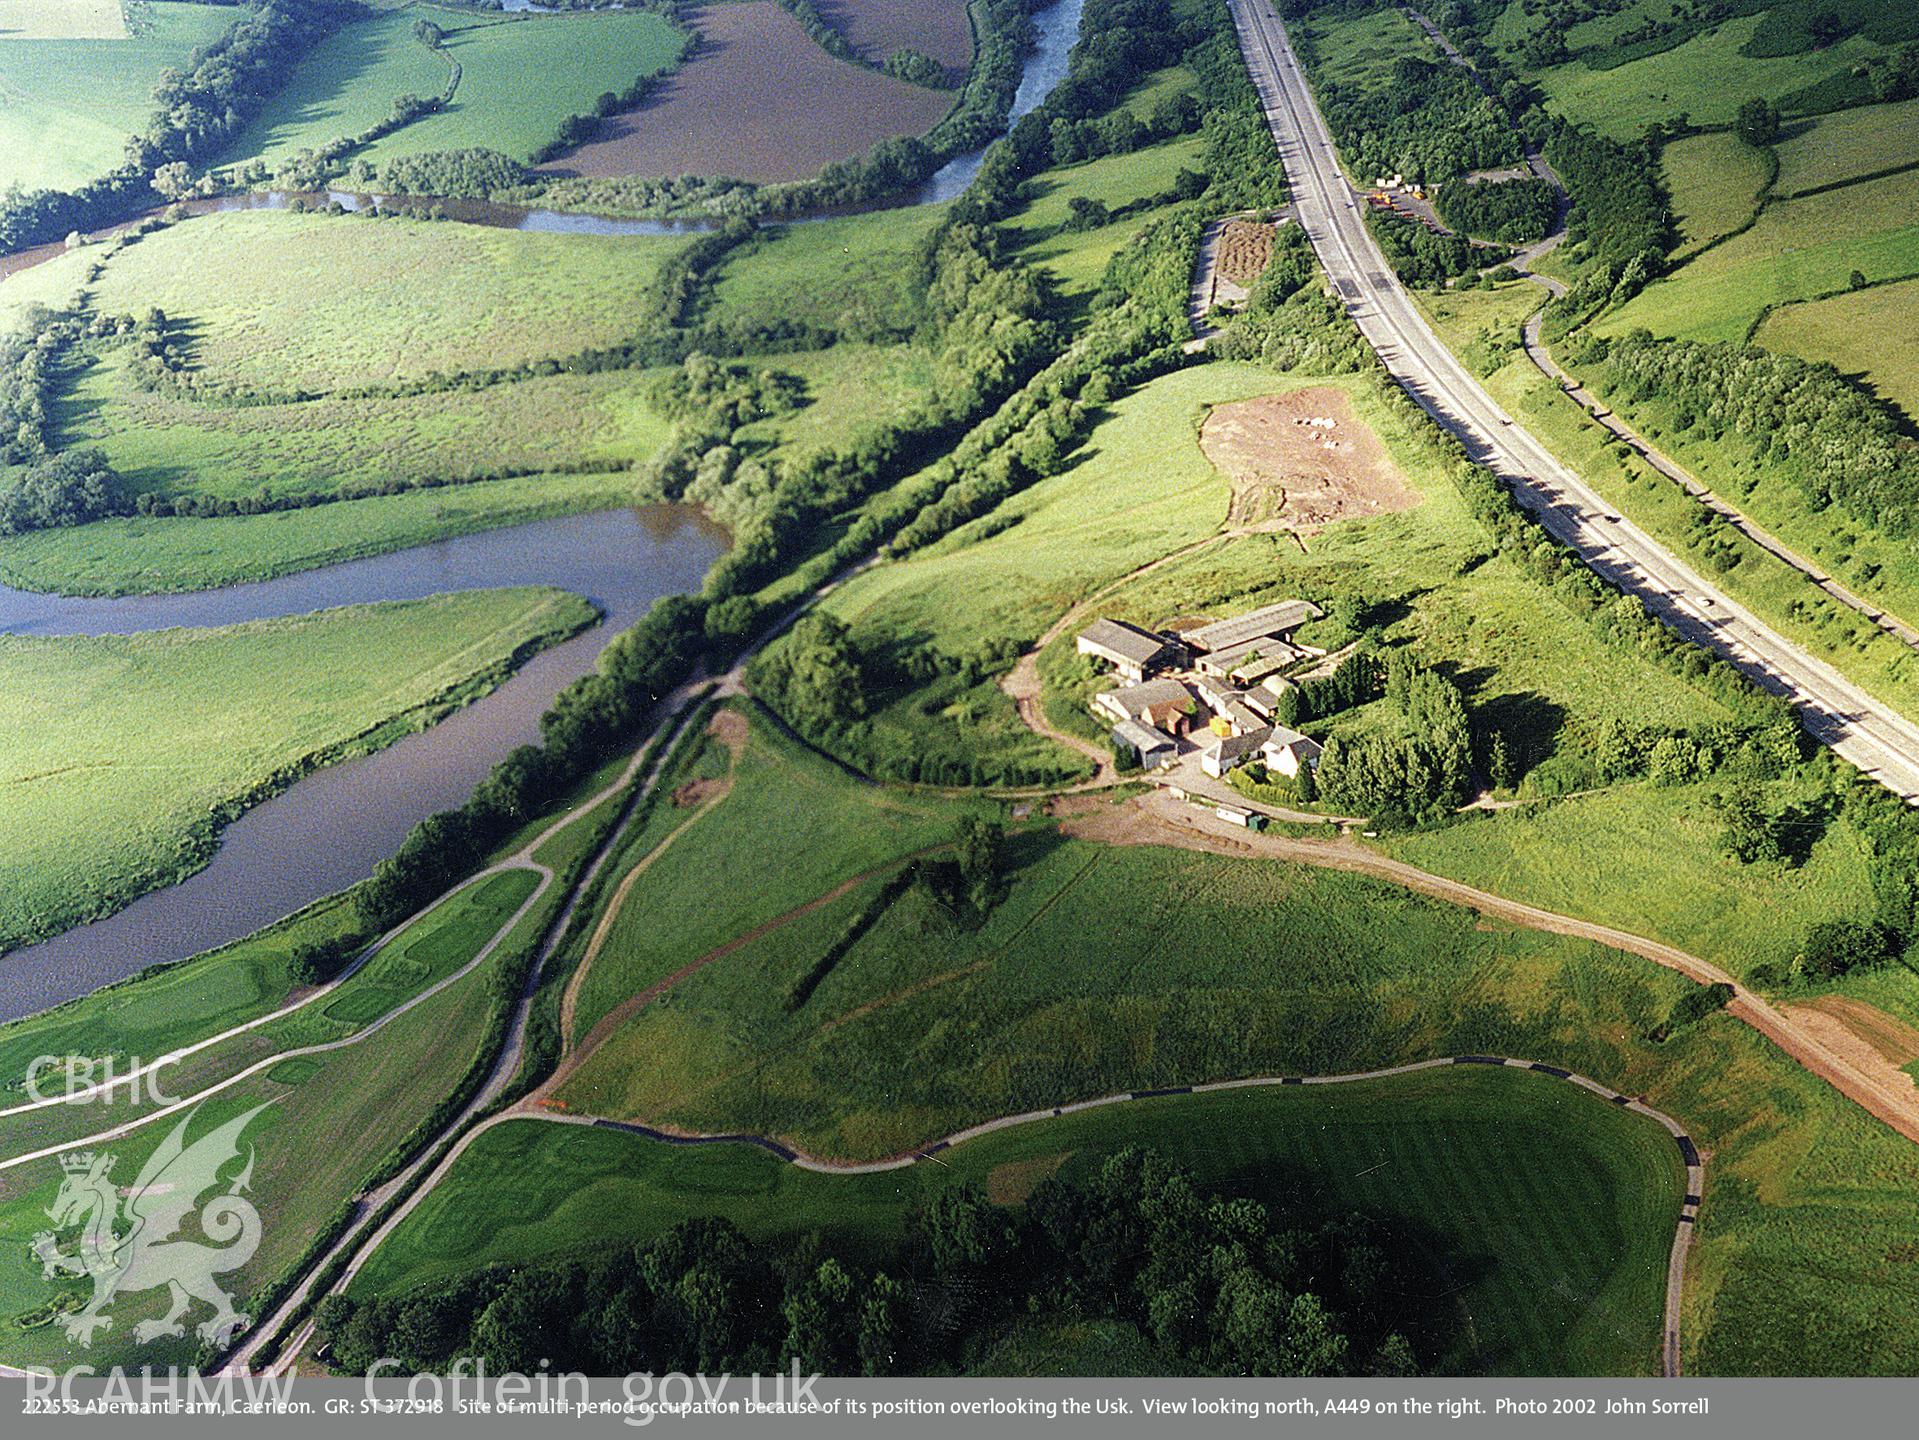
<point x="1871" y="735"/>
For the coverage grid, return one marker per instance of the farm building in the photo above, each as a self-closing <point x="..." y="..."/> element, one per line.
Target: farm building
<point x="1132" y="652"/>
<point x="1229" y="752"/>
<point x="1164" y="704"/>
<point x="1287" y="750"/>
<point x="1269" y="622"/>
<point x="1256" y="657"/>
<point x="1154" y="747"/>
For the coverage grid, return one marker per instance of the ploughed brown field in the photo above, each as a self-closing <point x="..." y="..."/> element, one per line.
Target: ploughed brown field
<point x="938" y="29"/>
<point x="760" y="101"/>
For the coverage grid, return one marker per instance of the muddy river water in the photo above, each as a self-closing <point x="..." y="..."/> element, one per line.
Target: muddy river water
<point x="333" y="826"/>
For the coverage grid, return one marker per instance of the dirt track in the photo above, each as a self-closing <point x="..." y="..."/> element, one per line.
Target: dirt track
<point x="1868" y="1079"/>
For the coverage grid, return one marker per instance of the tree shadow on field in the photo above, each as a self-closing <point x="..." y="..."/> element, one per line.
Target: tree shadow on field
<point x="1529" y="722"/>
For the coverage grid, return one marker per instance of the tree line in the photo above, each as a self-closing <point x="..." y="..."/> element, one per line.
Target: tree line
<point x="1840" y="446"/>
<point x="1221" y="1285"/>
<point x="197" y="111"/>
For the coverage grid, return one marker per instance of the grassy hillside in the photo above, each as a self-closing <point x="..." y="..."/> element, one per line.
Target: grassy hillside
<point x="74" y="83"/>
<point x="1582" y="1196"/>
<point x="519" y="77"/>
<point x="172" y="731"/>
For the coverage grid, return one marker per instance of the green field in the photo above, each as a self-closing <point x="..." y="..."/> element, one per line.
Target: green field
<point x="337" y="1115"/>
<point x="1870" y="334"/>
<point x="168" y="732"/>
<point x="1363" y="50"/>
<point x="273" y="302"/>
<point x="1848" y="144"/>
<point x="1582" y="1197"/>
<point x="846" y="274"/>
<point x="141" y="555"/>
<point x="67" y="105"/>
<point x="1715" y="180"/>
<point x="1075" y="260"/>
<point x="1706" y="78"/>
<point x="174" y="446"/>
<point x="779" y="793"/>
<point x="518" y="79"/>
<point x="1798" y="249"/>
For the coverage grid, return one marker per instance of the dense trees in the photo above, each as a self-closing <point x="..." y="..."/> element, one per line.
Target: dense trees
<point x="1511" y="212"/>
<point x="1221" y="1285"/>
<point x="1426" y="257"/>
<point x="1839" y="445"/>
<point x="1757" y="123"/>
<point x="1431" y="121"/>
<point x="66" y="489"/>
<point x="473" y="174"/>
<point x="1420" y="770"/>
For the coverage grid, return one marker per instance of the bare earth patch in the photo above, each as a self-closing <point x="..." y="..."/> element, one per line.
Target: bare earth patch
<point x="1302" y="460"/>
<point x="1013" y="1182"/>
<point x="1869" y="1038"/>
<point x="696" y="792"/>
<point x="758" y="101"/>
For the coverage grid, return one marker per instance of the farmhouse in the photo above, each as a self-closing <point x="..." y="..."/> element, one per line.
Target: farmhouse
<point x="1154" y="747"/>
<point x="1287" y="751"/>
<point x="1132" y="652"/>
<point x="1229" y="752"/>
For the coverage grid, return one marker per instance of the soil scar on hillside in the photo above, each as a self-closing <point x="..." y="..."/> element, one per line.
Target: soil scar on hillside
<point x="1303" y="460"/>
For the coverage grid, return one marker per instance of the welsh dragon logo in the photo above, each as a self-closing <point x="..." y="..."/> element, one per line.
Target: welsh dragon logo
<point x="129" y="1240"/>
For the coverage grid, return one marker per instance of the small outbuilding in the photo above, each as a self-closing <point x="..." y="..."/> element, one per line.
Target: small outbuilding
<point x="1153" y="747"/>
<point x="1229" y="752"/>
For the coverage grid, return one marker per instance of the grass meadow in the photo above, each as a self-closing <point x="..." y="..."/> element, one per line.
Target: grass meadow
<point x="1872" y="335"/>
<point x="1582" y="1196"/>
<point x="846" y="273"/>
<point x="519" y="77"/>
<point x="332" y="1119"/>
<point x="827" y="829"/>
<point x="1798" y="249"/>
<point x="1715" y="180"/>
<point x="172" y="732"/>
<point x="1706" y="78"/>
<point x="173" y="446"/>
<point x="1848" y="144"/>
<point x="142" y="555"/>
<point x="74" y="84"/>
<point x="400" y="299"/>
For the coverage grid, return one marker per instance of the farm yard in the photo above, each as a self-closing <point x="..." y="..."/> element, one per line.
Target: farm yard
<point x="519" y="77"/>
<point x="759" y="101"/>
<point x="74" y="83"/>
<point x="175" y="731"/>
<point x="1459" y="1148"/>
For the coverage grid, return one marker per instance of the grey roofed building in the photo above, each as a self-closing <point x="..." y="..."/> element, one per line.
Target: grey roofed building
<point x="1249" y="653"/>
<point x="1266" y="621"/>
<point x="1134" y="702"/>
<point x="1133" y="652"/>
<point x="1153" y="747"/>
<point x="1231" y="751"/>
<point x="1287" y="750"/>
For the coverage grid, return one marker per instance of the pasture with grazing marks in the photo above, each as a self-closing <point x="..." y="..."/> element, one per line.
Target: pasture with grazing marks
<point x="519" y="78"/>
<point x="758" y="101"/>
<point x="1581" y="1197"/>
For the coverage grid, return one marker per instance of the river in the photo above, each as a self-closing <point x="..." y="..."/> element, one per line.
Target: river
<point x="333" y="826"/>
<point x="330" y="829"/>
